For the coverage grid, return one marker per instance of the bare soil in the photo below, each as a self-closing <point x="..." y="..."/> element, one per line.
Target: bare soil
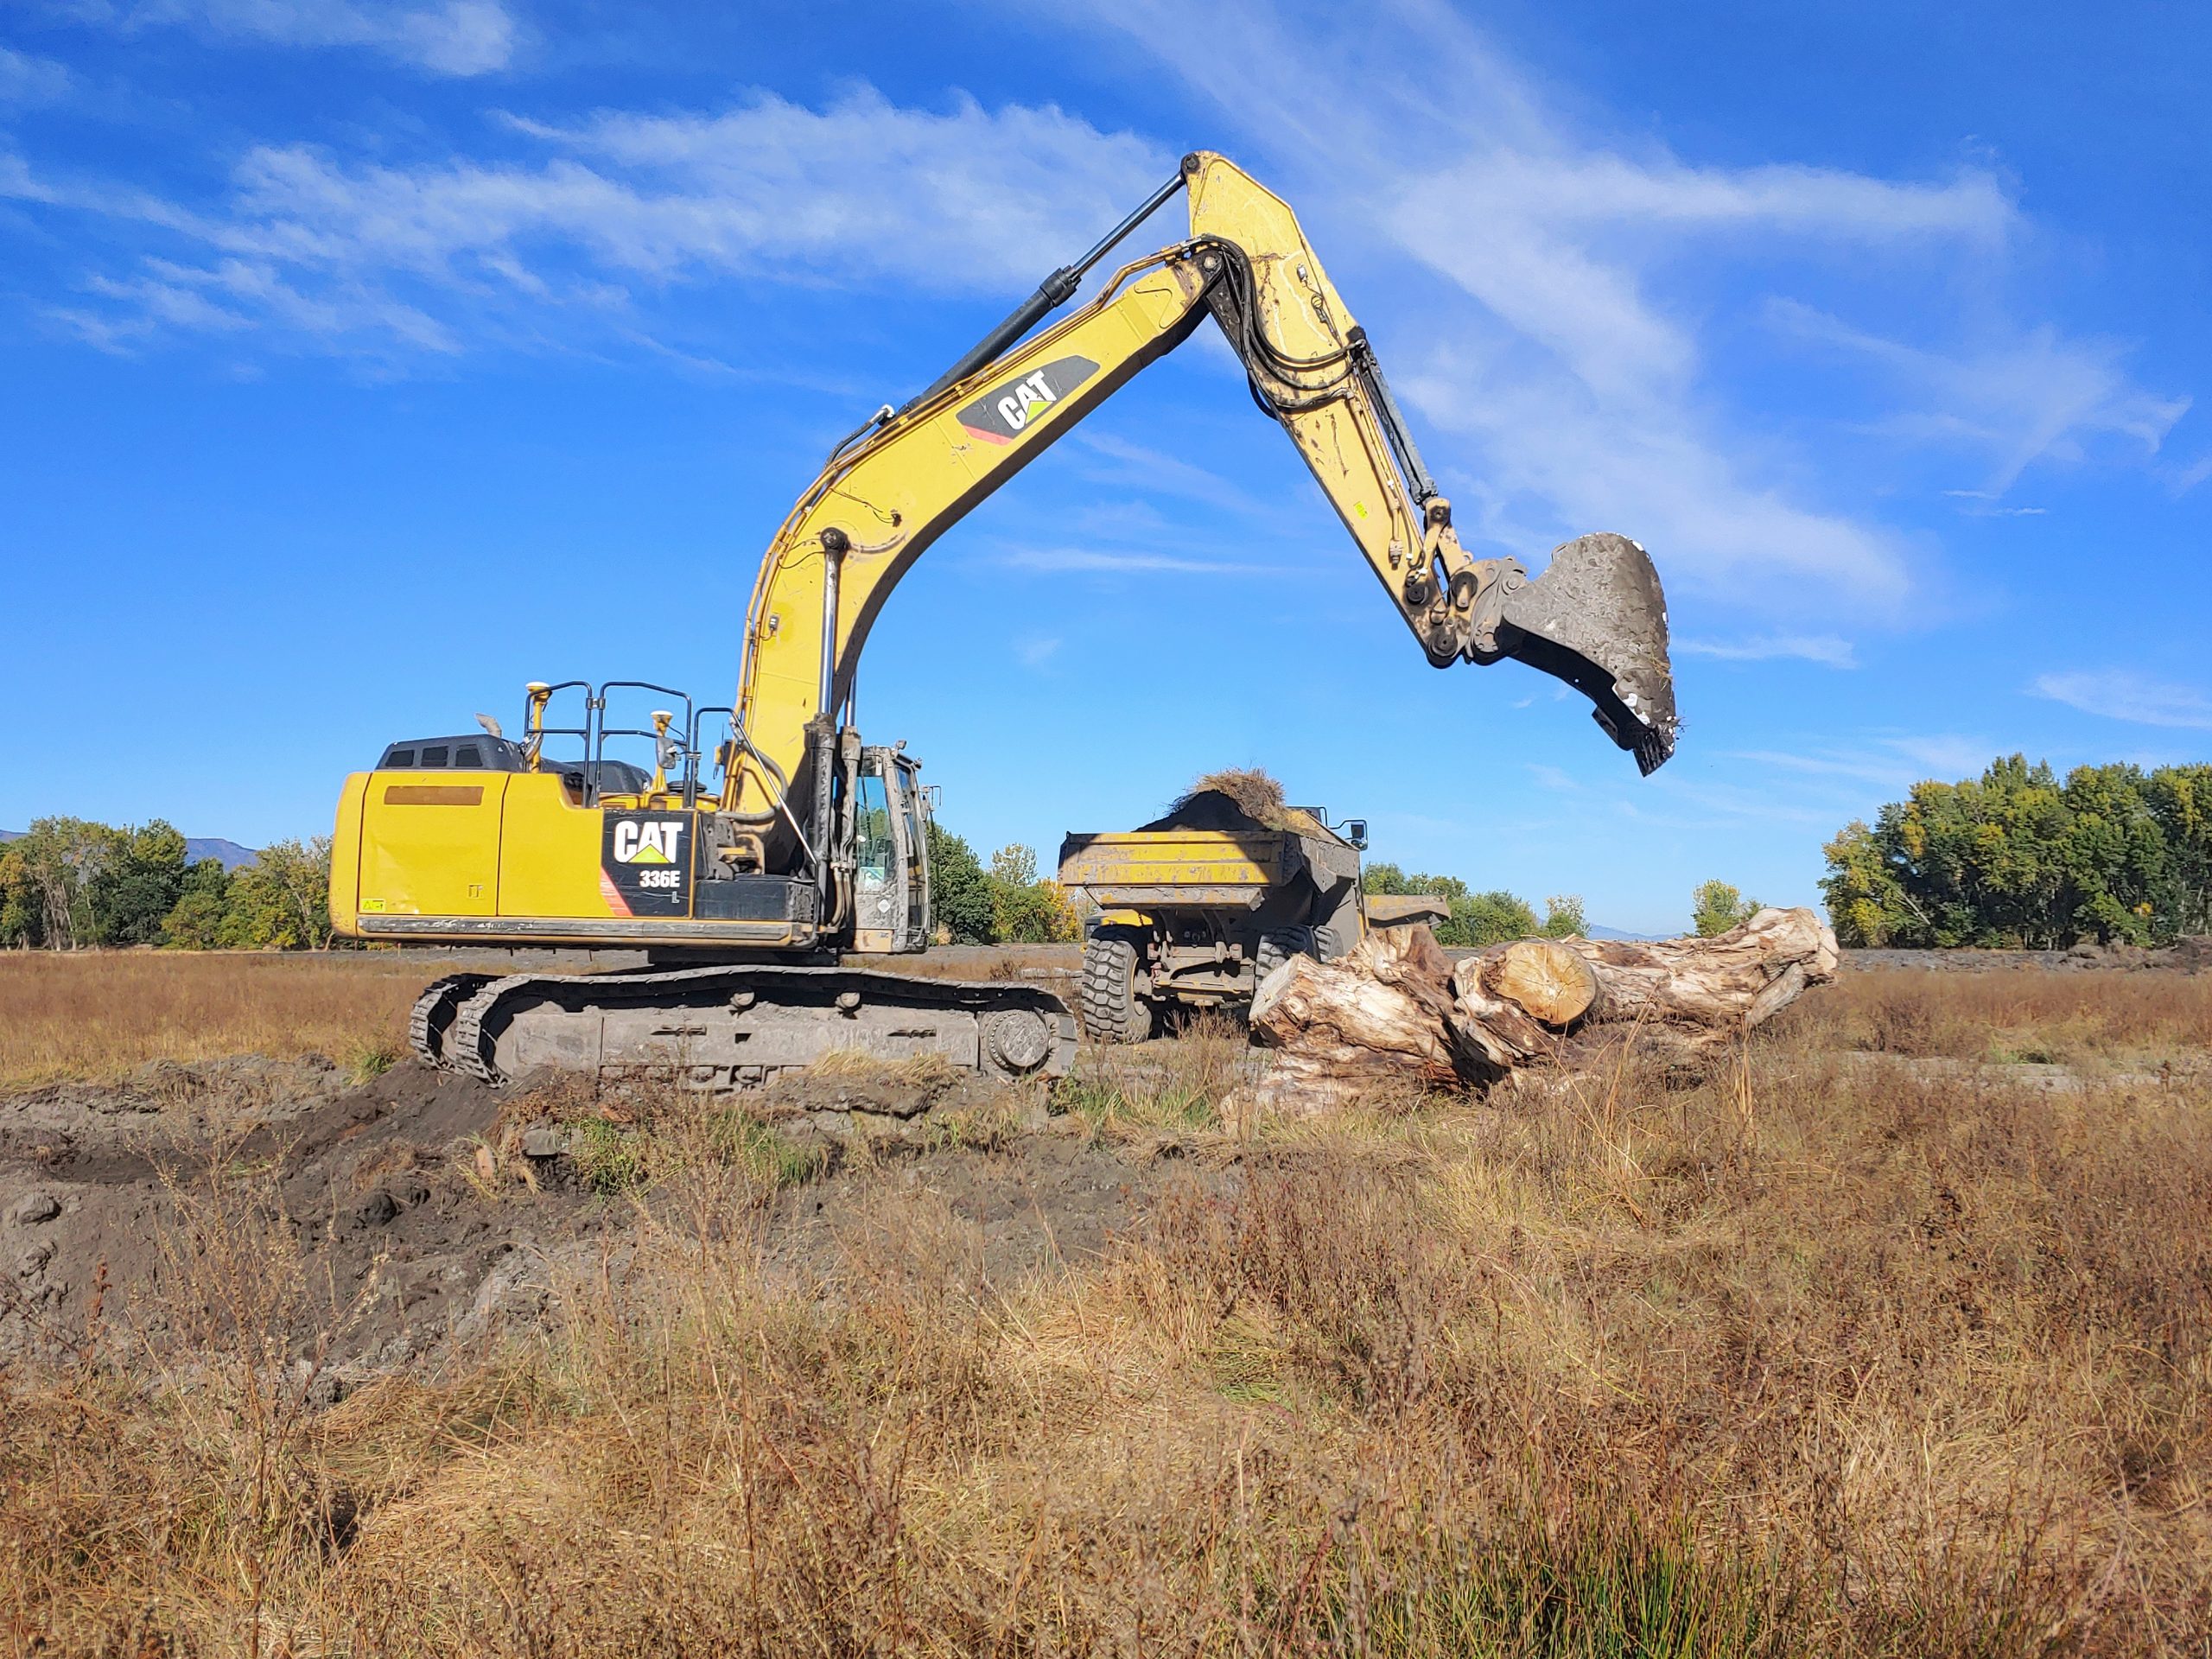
<point x="452" y="1209"/>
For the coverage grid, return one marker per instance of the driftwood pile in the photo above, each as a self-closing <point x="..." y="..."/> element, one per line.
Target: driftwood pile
<point x="1398" y="1011"/>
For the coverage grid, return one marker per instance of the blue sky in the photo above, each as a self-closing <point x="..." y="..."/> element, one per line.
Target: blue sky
<point x="363" y="362"/>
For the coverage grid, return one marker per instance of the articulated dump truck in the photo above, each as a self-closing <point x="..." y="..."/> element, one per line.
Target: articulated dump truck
<point x="1195" y="910"/>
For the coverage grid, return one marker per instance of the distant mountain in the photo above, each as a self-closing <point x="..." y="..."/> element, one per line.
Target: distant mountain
<point x="232" y="854"/>
<point x="1616" y="933"/>
<point x="229" y="853"/>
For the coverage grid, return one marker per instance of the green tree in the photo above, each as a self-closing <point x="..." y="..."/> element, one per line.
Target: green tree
<point x="2180" y="799"/>
<point x="1024" y="910"/>
<point x="19" y="911"/>
<point x="960" y="892"/>
<point x="1715" y="906"/>
<point x="1383" y="878"/>
<point x="1014" y="865"/>
<point x="57" y="863"/>
<point x="1867" y="902"/>
<point x="282" y="901"/>
<point x="2017" y="858"/>
<point x="137" y="885"/>
<point x="196" y="921"/>
<point x="1563" y="917"/>
<point x="1480" y="918"/>
<point x="1477" y="919"/>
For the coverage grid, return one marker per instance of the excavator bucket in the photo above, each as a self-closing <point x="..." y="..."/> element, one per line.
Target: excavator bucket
<point x="1596" y="619"/>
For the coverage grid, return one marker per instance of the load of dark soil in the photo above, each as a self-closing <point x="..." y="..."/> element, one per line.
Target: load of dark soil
<point x="1237" y="798"/>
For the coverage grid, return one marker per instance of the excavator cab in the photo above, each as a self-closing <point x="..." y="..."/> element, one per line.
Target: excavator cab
<point x="891" y="855"/>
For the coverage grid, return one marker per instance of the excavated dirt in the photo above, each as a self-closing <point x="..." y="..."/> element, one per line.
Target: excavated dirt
<point x="445" y="1212"/>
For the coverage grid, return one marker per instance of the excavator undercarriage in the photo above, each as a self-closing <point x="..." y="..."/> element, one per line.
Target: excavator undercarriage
<point x="735" y="1026"/>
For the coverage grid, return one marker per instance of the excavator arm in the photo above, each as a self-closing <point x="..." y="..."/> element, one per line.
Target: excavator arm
<point x="1595" y="618"/>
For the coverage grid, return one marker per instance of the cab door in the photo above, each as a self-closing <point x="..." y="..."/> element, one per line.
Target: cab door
<point x="879" y="889"/>
<point x="913" y="808"/>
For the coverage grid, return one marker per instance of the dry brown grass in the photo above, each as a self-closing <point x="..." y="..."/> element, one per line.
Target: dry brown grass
<point x="1816" y="1358"/>
<point x="2009" y="1015"/>
<point x="96" y="1015"/>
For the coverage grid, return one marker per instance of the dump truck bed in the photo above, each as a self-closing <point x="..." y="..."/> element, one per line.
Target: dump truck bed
<point x="1140" y="868"/>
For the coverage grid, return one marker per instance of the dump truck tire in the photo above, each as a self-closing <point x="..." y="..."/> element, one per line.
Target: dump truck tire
<point x="1278" y="945"/>
<point x="1112" y="1010"/>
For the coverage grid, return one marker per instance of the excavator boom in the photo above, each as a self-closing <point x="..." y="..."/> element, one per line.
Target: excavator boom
<point x="1596" y="619"/>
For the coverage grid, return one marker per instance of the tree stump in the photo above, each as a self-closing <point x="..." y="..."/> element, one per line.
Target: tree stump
<point x="1397" y="1011"/>
<point x="1381" y="1013"/>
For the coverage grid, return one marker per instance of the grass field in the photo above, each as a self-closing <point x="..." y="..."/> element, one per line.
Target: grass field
<point x="1871" y="1344"/>
<point x="96" y="1016"/>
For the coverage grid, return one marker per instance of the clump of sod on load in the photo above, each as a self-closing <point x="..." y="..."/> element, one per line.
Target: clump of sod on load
<point x="1235" y="797"/>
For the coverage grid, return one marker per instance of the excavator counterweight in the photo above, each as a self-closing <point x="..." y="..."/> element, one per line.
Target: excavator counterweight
<point x="748" y="887"/>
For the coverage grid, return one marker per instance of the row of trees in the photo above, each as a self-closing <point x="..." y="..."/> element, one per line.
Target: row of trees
<point x="1498" y="916"/>
<point x="1480" y="918"/>
<point x="1006" y="904"/>
<point x="71" y="883"/>
<point x="2017" y="858"/>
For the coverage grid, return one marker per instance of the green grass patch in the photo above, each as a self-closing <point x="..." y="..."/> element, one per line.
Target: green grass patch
<point x="609" y="1158"/>
<point x="1108" y="1108"/>
<point x="744" y="1141"/>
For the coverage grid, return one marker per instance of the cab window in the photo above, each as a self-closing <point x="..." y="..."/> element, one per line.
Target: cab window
<point x="872" y="845"/>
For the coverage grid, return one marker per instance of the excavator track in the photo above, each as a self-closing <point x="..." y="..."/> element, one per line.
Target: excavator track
<point x="736" y="1027"/>
<point x="432" y="1017"/>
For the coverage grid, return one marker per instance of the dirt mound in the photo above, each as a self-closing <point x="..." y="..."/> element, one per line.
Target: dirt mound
<point x="440" y="1213"/>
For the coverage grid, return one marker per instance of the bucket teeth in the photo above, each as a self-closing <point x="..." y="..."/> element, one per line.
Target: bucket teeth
<point x="1596" y="619"/>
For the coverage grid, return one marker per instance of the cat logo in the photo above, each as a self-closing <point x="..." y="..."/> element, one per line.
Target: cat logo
<point x="1001" y="414"/>
<point x="647" y="841"/>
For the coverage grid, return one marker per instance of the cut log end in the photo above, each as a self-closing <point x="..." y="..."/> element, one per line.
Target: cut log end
<point x="1544" y="978"/>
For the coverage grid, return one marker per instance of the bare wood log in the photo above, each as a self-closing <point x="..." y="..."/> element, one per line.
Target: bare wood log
<point x="1545" y="978"/>
<point x="1397" y="1011"/>
<point x="1379" y="1015"/>
<point x="1732" y="981"/>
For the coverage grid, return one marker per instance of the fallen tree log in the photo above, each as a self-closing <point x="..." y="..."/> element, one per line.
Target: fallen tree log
<point x="1397" y="1011"/>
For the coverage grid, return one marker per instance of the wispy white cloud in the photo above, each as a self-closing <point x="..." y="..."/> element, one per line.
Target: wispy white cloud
<point x="1826" y="649"/>
<point x="1581" y="388"/>
<point x="235" y="295"/>
<point x="2188" y="478"/>
<point x="1985" y="505"/>
<point x="25" y="79"/>
<point x="1034" y="651"/>
<point x="448" y="37"/>
<point x="1890" y="761"/>
<point x="2039" y="395"/>
<point x="861" y="192"/>
<point x="1158" y="473"/>
<point x="2124" y="694"/>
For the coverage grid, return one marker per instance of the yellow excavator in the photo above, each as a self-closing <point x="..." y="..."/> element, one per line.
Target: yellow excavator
<point x="808" y="846"/>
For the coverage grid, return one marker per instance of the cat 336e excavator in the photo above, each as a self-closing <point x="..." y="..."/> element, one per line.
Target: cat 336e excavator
<point x="809" y="845"/>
